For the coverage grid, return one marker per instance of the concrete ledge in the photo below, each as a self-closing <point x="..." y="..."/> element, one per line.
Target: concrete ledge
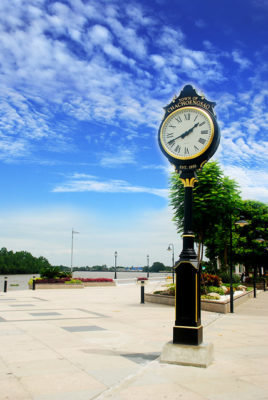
<point x="88" y="284"/>
<point x="160" y="299"/>
<point x="180" y="354"/>
<point x="218" y="306"/>
<point x="57" y="286"/>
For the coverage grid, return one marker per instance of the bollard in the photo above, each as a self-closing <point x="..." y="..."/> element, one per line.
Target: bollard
<point x="142" y="292"/>
<point x="33" y="282"/>
<point x="5" y="284"/>
<point x="254" y="282"/>
<point x="264" y="285"/>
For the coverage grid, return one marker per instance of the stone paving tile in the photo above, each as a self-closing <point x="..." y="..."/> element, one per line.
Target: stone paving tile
<point x="84" y="328"/>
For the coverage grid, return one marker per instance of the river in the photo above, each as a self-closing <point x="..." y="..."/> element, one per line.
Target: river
<point x="20" y="282"/>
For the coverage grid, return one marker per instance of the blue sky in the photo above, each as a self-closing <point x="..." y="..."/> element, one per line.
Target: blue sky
<point x="83" y="86"/>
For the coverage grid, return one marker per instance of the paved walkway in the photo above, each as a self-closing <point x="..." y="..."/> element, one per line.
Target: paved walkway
<point x="101" y="343"/>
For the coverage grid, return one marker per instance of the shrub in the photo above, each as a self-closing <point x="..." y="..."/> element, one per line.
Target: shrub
<point x="208" y="297"/>
<point x="73" y="281"/>
<point x="225" y="276"/>
<point x="169" y="292"/>
<point x="65" y="274"/>
<point x="210" y="280"/>
<point x="215" y="289"/>
<point x="203" y="289"/>
<point x="228" y="290"/>
<point x="53" y="280"/>
<point x="50" y="272"/>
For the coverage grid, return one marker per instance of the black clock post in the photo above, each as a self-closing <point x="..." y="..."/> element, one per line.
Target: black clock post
<point x="188" y="136"/>
<point x="188" y="328"/>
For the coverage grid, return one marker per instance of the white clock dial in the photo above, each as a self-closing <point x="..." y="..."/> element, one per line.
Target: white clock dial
<point x="187" y="133"/>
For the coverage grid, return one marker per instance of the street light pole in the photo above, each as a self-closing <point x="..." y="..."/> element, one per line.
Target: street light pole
<point x="115" y="262"/>
<point x="148" y="265"/>
<point x="231" y="268"/>
<point x="72" y="249"/>
<point x="171" y="247"/>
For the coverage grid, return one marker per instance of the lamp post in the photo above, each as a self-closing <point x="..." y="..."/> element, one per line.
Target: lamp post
<point x="115" y="263"/>
<point x="259" y="240"/>
<point x="171" y="248"/>
<point x="72" y="248"/>
<point x="242" y="222"/>
<point x="148" y="263"/>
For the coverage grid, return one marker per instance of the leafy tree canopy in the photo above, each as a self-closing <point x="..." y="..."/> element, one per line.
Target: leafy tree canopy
<point x="20" y="262"/>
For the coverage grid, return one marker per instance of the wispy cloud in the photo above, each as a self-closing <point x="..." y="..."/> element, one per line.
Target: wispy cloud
<point x="84" y="183"/>
<point x="119" y="157"/>
<point x="111" y="63"/>
<point x="67" y="55"/>
<point x="251" y="182"/>
<point x="239" y="59"/>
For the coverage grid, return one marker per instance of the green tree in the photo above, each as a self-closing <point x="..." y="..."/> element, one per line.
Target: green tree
<point x="157" y="267"/>
<point x="214" y="196"/>
<point x="20" y="262"/>
<point x="247" y="250"/>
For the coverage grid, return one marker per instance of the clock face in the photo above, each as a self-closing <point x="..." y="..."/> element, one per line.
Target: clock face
<point x="187" y="133"/>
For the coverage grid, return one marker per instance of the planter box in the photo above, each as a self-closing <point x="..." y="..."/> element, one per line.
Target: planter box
<point x="160" y="299"/>
<point x="56" y="286"/>
<point x="70" y="285"/>
<point x="88" y="284"/>
<point x="218" y="306"/>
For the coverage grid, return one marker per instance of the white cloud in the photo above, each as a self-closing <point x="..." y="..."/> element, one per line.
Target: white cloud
<point x="64" y="58"/>
<point x="78" y="183"/>
<point x="158" y="60"/>
<point x="251" y="181"/>
<point x="114" y="159"/>
<point x="99" y="34"/>
<point x="239" y="59"/>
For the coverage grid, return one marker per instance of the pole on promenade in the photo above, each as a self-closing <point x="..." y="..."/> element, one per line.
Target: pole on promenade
<point x="115" y="264"/>
<point x="5" y="284"/>
<point x="142" y="292"/>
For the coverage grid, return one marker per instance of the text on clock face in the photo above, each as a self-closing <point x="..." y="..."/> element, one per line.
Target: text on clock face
<point x="187" y="132"/>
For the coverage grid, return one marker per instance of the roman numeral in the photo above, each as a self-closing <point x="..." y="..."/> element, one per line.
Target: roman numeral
<point x="196" y="148"/>
<point x="187" y="116"/>
<point x="178" y="119"/>
<point x="170" y="134"/>
<point x="178" y="149"/>
<point x="202" y="123"/>
<point x="172" y="126"/>
<point x="186" y="150"/>
<point x="202" y="141"/>
<point x="204" y="132"/>
<point x="195" y="118"/>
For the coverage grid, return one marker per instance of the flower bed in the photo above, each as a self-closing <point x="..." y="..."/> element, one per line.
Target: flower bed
<point x="95" y="279"/>
<point x="220" y="306"/>
<point x="68" y="283"/>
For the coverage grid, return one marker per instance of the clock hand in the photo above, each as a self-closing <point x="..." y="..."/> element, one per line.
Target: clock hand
<point x="184" y="134"/>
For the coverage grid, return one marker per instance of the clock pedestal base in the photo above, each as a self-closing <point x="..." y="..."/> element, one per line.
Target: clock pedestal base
<point x="188" y="335"/>
<point x="194" y="356"/>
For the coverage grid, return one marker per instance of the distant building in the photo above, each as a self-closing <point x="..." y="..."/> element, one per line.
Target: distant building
<point x="139" y="269"/>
